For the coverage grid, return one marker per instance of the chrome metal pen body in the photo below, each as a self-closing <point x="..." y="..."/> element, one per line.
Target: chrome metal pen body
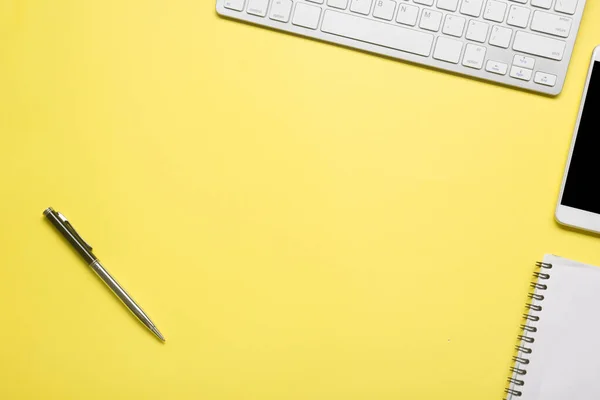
<point x="85" y="250"/>
<point x="125" y="298"/>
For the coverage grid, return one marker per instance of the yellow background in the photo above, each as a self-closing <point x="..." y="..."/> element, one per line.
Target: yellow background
<point x="302" y="221"/>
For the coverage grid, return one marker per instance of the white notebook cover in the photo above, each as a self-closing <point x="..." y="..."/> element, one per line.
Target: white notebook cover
<point x="564" y="362"/>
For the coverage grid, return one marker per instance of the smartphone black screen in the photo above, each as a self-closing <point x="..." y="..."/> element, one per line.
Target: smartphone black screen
<point x="582" y="188"/>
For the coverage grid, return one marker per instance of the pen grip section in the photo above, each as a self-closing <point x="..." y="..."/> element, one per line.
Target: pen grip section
<point x="114" y="286"/>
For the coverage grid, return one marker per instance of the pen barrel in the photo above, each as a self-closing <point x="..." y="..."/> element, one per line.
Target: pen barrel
<point x="125" y="298"/>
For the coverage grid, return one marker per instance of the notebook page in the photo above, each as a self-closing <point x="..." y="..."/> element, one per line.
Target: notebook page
<point x="565" y="358"/>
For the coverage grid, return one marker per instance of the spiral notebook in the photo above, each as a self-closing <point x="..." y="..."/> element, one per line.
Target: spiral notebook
<point x="559" y="347"/>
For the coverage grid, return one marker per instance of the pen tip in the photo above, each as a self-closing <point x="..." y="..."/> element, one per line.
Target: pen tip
<point x="158" y="334"/>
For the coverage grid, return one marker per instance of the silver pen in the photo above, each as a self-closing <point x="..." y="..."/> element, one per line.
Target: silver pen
<point x="85" y="250"/>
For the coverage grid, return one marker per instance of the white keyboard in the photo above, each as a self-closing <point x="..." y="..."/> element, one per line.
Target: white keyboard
<point x="522" y="43"/>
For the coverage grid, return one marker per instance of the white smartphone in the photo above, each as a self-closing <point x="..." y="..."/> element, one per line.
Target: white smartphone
<point x="579" y="201"/>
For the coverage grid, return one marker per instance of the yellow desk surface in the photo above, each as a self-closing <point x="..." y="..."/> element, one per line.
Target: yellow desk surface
<point x="302" y="221"/>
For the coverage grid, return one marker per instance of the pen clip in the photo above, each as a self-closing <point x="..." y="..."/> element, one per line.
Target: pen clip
<point x="72" y="230"/>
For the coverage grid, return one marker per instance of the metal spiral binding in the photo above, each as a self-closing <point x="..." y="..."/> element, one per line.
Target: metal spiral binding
<point x="517" y="373"/>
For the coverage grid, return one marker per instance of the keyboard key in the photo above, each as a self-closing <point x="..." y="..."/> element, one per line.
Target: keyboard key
<point x="448" y="5"/>
<point x="477" y="31"/>
<point x="474" y="56"/>
<point x="523" y="74"/>
<point x="551" y="23"/>
<point x="454" y="25"/>
<point x="306" y="16"/>
<point x="495" y="11"/>
<point x="237" y="5"/>
<point x="545" y="79"/>
<point x="379" y="33"/>
<point x="447" y="50"/>
<point x="471" y="7"/>
<point x="496" y="67"/>
<point x="281" y="10"/>
<point x="407" y="15"/>
<point x="566" y="6"/>
<point x="542" y="3"/>
<point x="258" y="7"/>
<point x="424" y="2"/>
<point x="539" y="45"/>
<point x="341" y="4"/>
<point x="361" y="6"/>
<point x="316" y="1"/>
<point x="520" y="1"/>
<point x="384" y="9"/>
<point x="431" y="20"/>
<point x="518" y="16"/>
<point x="500" y="37"/>
<point x="525" y="62"/>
